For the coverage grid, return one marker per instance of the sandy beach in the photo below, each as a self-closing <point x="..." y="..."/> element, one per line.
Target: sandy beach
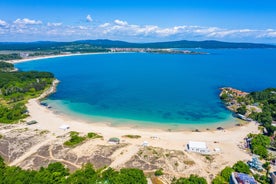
<point x="229" y="141"/>
<point x="54" y="56"/>
<point x="171" y="140"/>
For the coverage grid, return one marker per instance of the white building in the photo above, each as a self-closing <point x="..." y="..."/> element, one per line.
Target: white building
<point x="199" y="147"/>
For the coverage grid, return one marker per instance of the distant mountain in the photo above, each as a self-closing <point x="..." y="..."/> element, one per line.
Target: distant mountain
<point x="49" y="45"/>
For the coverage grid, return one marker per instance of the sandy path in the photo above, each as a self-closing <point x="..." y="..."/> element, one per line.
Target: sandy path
<point x="121" y="156"/>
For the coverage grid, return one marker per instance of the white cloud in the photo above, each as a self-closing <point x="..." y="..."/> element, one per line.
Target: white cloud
<point x="54" y="24"/>
<point x="3" y="23"/>
<point x="120" y="22"/>
<point x="82" y="27"/>
<point x="104" y="25"/>
<point x="120" y="29"/>
<point x="89" y="18"/>
<point x="27" y="21"/>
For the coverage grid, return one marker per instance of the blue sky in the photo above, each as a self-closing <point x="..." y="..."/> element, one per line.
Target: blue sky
<point x="138" y="20"/>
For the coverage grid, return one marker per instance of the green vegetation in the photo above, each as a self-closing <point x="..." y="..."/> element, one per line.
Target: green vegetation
<point x="75" y="139"/>
<point x="242" y="110"/>
<point x="267" y="101"/>
<point x="259" y="144"/>
<point x="6" y="57"/>
<point x="224" y="176"/>
<point x="47" y="48"/>
<point x="18" y="87"/>
<point x="132" y="136"/>
<point x="241" y="167"/>
<point x="193" y="179"/>
<point x="259" y="106"/>
<point x="1" y="136"/>
<point x="92" y="135"/>
<point x="101" y="43"/>
<point x="219" y="180"/>
<point x="158" y="172"/>
<point x="4" y="66"/>
<point x="57" y="173"/>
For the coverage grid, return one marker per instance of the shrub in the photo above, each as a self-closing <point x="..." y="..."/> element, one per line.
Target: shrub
<point x="158" y="172"/>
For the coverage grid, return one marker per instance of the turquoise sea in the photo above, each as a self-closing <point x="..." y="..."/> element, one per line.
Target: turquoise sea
<point x="171" y="90"/>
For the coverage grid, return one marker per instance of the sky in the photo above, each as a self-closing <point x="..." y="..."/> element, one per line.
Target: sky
<point x="138" y="20"/>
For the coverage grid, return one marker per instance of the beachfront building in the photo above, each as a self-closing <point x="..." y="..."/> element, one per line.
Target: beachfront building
<point x="199" y="147"/>
<point x="241" y="178"/>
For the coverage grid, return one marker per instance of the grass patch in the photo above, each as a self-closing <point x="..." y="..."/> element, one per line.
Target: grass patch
<point x="1" y="136"/>
<point x="92" y="135"/>
<point x="42" y="132"/>
<point x="158" y="172"/>
<point x="209" y="158"/>
<point x="132" y="136"/>
<point x="75" y="139"/>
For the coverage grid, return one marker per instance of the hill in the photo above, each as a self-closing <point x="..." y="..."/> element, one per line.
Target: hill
<point x="91" y="45"/>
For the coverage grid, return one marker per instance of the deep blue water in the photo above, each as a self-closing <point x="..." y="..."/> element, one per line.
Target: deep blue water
<point x="161" y="88"/>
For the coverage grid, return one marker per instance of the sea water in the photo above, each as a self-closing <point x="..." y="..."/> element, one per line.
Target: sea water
<point x="146" y="89"/>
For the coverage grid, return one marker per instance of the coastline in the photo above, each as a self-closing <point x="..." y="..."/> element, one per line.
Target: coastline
<point x="175" y="127"/>
<point x="55" y="56"/>
<point x="48" y="120"/>
<point x="229" y="141"/>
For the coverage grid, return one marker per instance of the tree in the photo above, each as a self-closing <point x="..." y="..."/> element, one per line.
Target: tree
<point x="129" y="176"/>
<point x="241" y="167"/>
<point x="260" y="150"/>
<point x="242" y="110"/>
<point x="259" y="144"/>
<point x="85" y="175"/>
<point x="158" y="172"/>
<point x="226" y="173"/>
<point x="219" y="180"/>
<point x="267" y="167"/>
<point x="193" y="179"/>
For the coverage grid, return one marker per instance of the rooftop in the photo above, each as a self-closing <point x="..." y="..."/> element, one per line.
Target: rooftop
<point x="194" y="144"/>
<point x="242" y="178"/>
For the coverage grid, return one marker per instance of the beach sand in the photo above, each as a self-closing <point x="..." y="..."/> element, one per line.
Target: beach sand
<point x="229" y="141"/>
<point x="56" y="56"/>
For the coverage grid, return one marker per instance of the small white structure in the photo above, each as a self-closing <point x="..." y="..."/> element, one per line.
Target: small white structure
<point x="217" y="150"/>
<point x="64" y="127"/>
<point x="199" y="147"/>
<point x="145" y="144"/>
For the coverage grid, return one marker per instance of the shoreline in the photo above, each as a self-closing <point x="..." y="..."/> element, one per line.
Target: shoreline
<point x="229" y="141"/>
<point x="16" y="61"/>
<point x="171" y="127"/>
<point x="229" y="123"/>
<point x="51" y="121"/>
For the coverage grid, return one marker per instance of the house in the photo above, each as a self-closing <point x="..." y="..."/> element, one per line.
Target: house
<point x="241" y="178"/>
<point x="199" y="147"/>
